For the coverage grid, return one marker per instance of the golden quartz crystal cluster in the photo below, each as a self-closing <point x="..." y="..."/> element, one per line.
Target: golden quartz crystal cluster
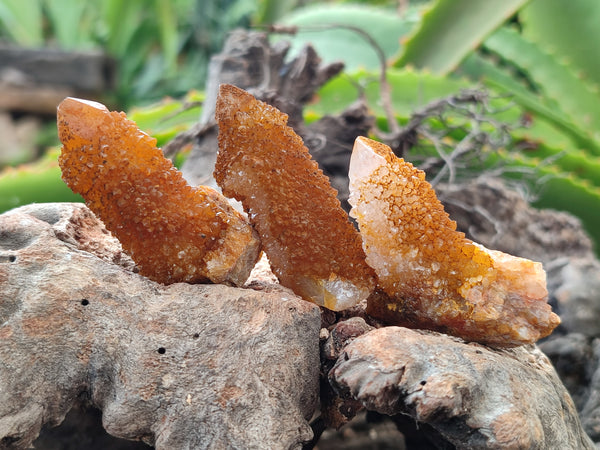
<point x="312" y="246"/>
<point x="409" y="261"/>
<point x="174" y="232"/>
<point x="430" y="274"/>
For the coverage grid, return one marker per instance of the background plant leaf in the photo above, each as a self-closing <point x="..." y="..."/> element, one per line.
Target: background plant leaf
<point x="451" y="29"/>
<point x="69" y="21"/>
<point x="34" y="183"/>
<point x="317" y="26"/>
<point x="568" y="29"/>
<point x="501" y="80"/>
<point x="22" y="19"/>
<point x="560" y="86"/>
<point x="410" y="90"/>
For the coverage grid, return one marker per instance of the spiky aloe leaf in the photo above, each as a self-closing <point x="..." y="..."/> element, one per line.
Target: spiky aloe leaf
<point x="569" y="29"/>
<point x="322" y="25"/>
<point x="37" y="182"/>
<point x="578" y="163"/>
<point x="451" y="29"/>
<point x="564" y="192"/>
<point x="502" y="81"/>
<point x="577" y="98"/>
<point x="165" y="119"/>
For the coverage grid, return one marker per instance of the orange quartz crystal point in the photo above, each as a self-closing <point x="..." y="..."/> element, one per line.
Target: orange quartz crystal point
<point x="313" y="248"/>
<point x="430" y="274"/>
<point x="173" y="231"/>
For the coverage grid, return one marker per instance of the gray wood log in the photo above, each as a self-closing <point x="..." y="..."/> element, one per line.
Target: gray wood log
<point x="179" y="366"/>
<point x="36" y="80"/>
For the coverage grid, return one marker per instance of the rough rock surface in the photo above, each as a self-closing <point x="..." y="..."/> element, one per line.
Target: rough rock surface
<point x="475" y="397"/>
<point x="487" y="211"/>
<point x="179" y="366"/>
<point x="577" y="360"/>
<point x="576" y="293"/>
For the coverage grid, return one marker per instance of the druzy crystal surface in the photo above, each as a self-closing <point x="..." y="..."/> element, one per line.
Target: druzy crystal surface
<point x="429" y="274"/>
<point x="173" y="231"/>
<point x="313" y="248"/>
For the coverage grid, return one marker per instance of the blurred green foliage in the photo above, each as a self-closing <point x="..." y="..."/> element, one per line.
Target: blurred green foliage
<point x="540" y="54"/>
<point x="538" y="58"/>
<point x="161" y="47"/>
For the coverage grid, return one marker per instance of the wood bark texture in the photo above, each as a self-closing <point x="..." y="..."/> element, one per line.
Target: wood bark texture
<point x="474" y="396"/>
<point x="179" y="366"/>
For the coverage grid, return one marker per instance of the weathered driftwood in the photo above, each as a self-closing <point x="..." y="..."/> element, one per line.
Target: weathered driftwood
<point x="335" y="410"/>
<point x="475" y="397"/>
<point x="249" y="62"/>
<point x="182" y="366"/>
<point x="208" y="366"/>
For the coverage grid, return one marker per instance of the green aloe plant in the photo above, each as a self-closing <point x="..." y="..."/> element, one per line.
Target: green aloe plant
<point x="547" y="68"/>
<point x="450" y="29"/>
<point x="540" y="53"/>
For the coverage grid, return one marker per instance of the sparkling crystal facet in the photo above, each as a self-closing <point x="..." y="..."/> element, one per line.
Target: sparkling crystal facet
<point x="173" y="231"/>
<point x="430" y="274"/>
<point x="312" y="246"/>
